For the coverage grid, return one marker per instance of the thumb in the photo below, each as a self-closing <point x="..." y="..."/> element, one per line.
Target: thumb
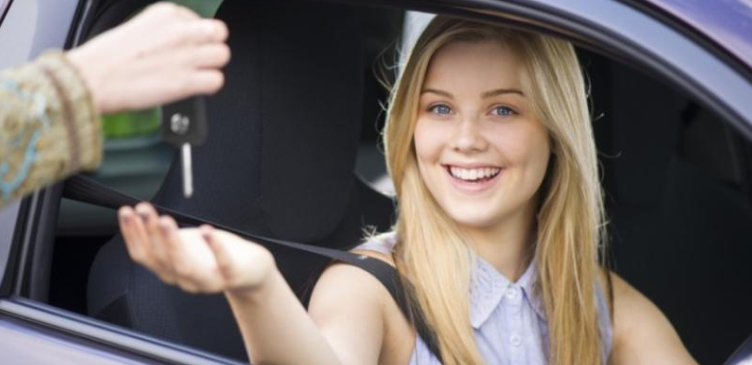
<point x="225" y="262"/>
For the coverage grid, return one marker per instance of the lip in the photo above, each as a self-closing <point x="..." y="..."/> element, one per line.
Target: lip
<point x="472" y="187"/>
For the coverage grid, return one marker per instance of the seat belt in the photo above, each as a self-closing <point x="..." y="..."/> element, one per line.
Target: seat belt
<point x="87" y="190"/>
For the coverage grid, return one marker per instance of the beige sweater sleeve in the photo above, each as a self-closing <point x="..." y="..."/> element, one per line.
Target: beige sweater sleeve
<point x="49" y="127"/>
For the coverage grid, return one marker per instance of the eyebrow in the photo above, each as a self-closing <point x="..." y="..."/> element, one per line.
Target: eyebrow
<point x="485" y="95"/>
<point x="492" y="93"/>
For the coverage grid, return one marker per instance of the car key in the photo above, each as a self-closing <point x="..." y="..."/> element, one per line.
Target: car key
<point x="184" y="125"/>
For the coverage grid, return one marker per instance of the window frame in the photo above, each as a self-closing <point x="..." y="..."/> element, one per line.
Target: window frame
<point x="4" y="4"/>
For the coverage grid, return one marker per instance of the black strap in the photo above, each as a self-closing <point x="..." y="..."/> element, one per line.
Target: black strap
<point x="87" y="190"/>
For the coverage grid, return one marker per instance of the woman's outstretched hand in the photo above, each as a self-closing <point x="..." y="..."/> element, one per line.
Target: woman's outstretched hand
<point x="198" y="260"/>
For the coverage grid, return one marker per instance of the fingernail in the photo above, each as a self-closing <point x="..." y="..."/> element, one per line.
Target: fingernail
<point x="165" y="227"/>
<point x="207" y="235"/>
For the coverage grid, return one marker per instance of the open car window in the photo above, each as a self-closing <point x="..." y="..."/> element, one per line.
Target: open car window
<point x="676" y="170"/>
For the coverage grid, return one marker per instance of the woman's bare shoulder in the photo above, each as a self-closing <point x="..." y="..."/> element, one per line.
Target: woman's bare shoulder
<point x="348" y="305"/>
<point x="353" y="309"/>
<point x="642" y="333"/>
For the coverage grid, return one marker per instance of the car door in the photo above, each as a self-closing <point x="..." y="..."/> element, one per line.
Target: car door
<point x="697" y="81"/>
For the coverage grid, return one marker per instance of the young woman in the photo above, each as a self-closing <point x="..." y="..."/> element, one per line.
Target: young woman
<point x="490" y="149"/>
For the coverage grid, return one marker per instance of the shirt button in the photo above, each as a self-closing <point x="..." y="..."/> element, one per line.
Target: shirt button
<point x="511" y="293"/>
<point x="516" y="340"/>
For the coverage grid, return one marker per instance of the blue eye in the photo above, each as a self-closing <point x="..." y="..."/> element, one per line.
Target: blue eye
<point x="503" y="111"/>
<point x="440" y="109"/>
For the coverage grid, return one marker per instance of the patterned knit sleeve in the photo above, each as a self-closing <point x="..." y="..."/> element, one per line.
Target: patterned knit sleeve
<point x="49" y="127"/>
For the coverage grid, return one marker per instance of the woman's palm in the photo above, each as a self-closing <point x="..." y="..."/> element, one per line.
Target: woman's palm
<point x="202" y="259"/>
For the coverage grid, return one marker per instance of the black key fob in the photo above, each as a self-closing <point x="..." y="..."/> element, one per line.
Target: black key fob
<point x="185" y="122"/>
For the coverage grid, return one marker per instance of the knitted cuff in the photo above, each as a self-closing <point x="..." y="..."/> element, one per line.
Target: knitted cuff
<point x="79" y="115"/>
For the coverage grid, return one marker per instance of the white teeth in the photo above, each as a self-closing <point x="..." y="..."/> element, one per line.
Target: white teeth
<point x="473" y="174"/>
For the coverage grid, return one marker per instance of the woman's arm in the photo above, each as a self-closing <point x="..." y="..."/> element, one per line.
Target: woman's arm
<point x="346" y="307"/>
<point x="642" y="334"/>
<point x="344" y="324"/>
<point x="49" y="125"/>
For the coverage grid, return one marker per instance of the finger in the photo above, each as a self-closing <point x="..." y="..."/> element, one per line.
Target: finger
<point x="138" y="231"/>
<point x="205" y="81"/>
<point x="189" y="286"/>
<point x="208" y="55"/>
<point x="169" y="10"/>
<point x="184" y="12"/>
<point x="218" y="30"/>
<point x="168" y="229"/>
<point x="221" y="253"/>
<point x="196" y="32"/>
<point x="182" y="265"/>
<point x="141" y="232"/>
<point x="158" y="252"/>
<point x="134" y="234"/>
<point x="135" y="249"/>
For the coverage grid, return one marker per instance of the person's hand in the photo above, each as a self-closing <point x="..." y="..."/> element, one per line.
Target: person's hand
<point x="165" y="53"/>
<point x="199" y="260"/>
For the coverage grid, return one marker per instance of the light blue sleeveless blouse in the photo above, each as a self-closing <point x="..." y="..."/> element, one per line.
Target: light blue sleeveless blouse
<point x="508" y="318"/>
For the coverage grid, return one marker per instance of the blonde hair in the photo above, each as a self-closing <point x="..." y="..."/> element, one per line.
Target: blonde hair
<point x="431" y="252"/>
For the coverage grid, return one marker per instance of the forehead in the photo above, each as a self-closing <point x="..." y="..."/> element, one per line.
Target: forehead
<point x="486" y="65"/>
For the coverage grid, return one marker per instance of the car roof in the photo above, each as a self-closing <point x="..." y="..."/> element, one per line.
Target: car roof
<point x="727" y="23"/>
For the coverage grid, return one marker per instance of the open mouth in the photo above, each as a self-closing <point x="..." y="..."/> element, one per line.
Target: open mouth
<point x="473" y="175"/>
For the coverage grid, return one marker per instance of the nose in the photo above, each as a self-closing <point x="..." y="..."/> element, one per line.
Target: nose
<point x="468" y="136"/>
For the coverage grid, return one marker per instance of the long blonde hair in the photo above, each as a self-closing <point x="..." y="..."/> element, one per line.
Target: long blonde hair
<point x="431" y="252"/>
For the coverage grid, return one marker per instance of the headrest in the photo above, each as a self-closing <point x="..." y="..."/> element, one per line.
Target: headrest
<point x="283" y="132"/>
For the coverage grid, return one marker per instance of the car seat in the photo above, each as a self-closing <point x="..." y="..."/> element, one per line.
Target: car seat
<point x="680" y="217"/>
<point x="278" y="162"/>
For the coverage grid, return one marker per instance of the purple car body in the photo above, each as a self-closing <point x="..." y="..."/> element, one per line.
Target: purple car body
<point x="704" y="47"/>
<point x="728" y="23"/>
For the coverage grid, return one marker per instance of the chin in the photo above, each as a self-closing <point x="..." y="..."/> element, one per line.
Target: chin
<point x="472" y="217"/>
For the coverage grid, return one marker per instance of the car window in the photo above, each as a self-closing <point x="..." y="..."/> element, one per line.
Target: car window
<point x="677" y="180"/>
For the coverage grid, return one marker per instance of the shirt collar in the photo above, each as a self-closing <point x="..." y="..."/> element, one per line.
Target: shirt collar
<point x="487" y="288"/>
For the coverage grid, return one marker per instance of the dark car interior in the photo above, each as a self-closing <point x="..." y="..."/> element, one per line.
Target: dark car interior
<point x="292" y="153"/>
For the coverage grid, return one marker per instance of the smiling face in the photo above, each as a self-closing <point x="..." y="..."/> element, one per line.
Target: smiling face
<point x="480" y="148"/>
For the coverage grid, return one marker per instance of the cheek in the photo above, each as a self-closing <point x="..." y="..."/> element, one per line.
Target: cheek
<point x="429" y="141"/>
<point x="537" y="154"/>
<point x="527" y="146"/>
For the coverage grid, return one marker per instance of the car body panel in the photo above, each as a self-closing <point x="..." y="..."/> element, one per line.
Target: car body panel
<point x="60" y="337"/>
<point x="28" y="28"/>
<point x="3" y="7"/>
<point x="42" y="347"/>
<point x="727" y="22"/>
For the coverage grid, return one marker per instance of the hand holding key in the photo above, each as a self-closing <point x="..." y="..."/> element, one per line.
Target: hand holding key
<point x="198" y="260"/>
<point x="165" y="53"/>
